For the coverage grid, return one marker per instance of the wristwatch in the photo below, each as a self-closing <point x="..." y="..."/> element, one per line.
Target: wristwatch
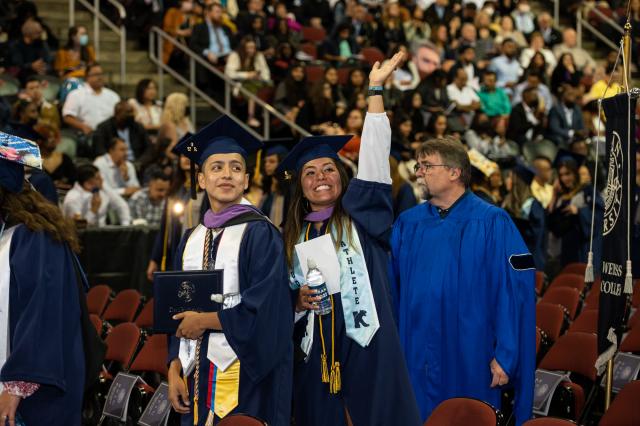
<point x="375" y="91"/>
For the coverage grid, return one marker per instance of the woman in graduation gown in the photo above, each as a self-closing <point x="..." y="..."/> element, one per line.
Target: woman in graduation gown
<point x="527" y="212"/>
<point x="351" y="369"/>
<point x="42" y="364"/>
<point x="275" y="190"/>
<point x="237" y="360"/>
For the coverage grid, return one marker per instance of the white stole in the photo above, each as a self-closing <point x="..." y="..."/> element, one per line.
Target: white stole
<point x="218" y="351"/>
<point x="5" y="281"/>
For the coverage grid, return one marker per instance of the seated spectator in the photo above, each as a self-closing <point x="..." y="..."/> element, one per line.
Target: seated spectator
<point x="89" y="201"/>
<point x="156" y="158"/>
<point x="284" y="58"/>
<point x="57" y="165"/>
<point x="390" y="30"/>
<point x="91" y="104"/>
<point x="494" y="101"/>
<point x="245" y="19"/>
<point x="538" y="65"/>
<point x="468" y="35"/>
<point x="467" y="61"/>
<point x="341" y="46"/>
<point x="146" y="108"/>
<point x="282" y="33"/>
<point x="175" y="123"/>
<point x="601" y="87"/>
<point x="443" y="47"/>
<point x="466" y="99"/>
<point x="30" y="53"/>
<point x="565" y="119"/>
<point x="541" y="187"/>
<point x="440" y="12"/>
<point x="249" y="67"/>
<point x="488" y="137"/>
<point x="406" y="76"/>
<point x="316" y="13"/>
<point x="73" y="58"/>
<point x="331" y="77"/>
<point x="565" y="72"/>
<point x="258" y="34"/>
<point x="583" y="60"/>
<point x="416" y="30"/>
<point x="291" y="94"/>
<point x="414" y="105"/>
<point x="534" y="80"/>
<point x="523" y="17"/>
<point x="178" y="22"/>
<point x="536" y="45"/>
<point x="27" y="10"/>
<point x="508" y="32"/>
<point x="212" y="38"/>
<point x="117" y="172"/>
<point x="357" y="83"/>
<point x="320" y="110"/>
<point x="438" y="126"/>
<point x="506" y="66"/>
<point x="526" y="121"/>
<point x="47" y="113"/>
<point x="148" y="203"/>
<point x="550" y="35"/>
<point x="24" y="116"/>
<point x="485" y="43"/>
<point x="434" y="92"/>
<point x="123" y="126"/>
<point x="280" y="12"/>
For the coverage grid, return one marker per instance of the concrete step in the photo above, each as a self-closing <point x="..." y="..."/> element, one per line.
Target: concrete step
<point x="144" y="67"/>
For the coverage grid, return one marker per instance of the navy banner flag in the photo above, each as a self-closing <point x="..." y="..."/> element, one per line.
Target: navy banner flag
<point x="620" y="163"/>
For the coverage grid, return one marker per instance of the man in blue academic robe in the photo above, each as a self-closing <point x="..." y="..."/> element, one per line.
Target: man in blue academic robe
<point x="463" y="287"/>
<point x="237" y="360"/>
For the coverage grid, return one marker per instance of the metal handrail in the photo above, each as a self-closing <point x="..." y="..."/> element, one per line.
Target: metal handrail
<point x="120" y="30"/>
<point x="156" y="41"/>
<point x="582" y="22"/>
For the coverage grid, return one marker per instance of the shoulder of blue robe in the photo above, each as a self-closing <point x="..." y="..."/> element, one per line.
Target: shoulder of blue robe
<point x="370" y="205"/>
<point x="514" y="271"/>
<point x="45" y="335"/>
<point x="260" y="327"/>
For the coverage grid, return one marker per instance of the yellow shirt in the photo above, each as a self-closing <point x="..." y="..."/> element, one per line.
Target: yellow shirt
<point x="599" y="87"/>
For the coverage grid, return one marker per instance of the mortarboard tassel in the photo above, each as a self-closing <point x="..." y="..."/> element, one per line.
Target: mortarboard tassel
<point x="192" y="173"/>
<point x="628" y="279"/>
<point x="588" y="273"/>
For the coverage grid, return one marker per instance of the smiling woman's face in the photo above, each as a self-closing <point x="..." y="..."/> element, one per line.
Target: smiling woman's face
<point x="321" y="183"/>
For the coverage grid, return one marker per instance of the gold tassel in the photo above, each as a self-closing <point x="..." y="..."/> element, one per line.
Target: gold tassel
<point x="325" y="368"/>
<point x="335" y="383"/>
<point x="209" y="421"/>
<point x="195" y="411"/>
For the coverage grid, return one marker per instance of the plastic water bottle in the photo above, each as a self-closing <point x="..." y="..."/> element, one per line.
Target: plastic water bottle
<point x="315" y="281"/>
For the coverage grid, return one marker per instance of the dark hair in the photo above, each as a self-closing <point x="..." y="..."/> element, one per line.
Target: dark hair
<point x="529" y="90"/>
<point x="89" y="67"/>
<point x="544" y="158"/>
<point x="18" y="109"/>
<point x="141" y="87"/>
<point x="489" y="72"/>
<point x="111" y="143"/>
<point x="30" y="208"/>
<point x="452" y="153"/>
<point x="86" y="172"/>
<point x="157" y="173"/>
<point x="73" y="31"/>
<point x="31" y="79"/>
<point x="298" y="209"/>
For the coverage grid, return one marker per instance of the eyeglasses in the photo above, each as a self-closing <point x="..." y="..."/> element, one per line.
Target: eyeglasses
<point x="426" y="167"/>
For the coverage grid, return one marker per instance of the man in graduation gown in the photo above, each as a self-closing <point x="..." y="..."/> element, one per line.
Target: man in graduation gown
<point x="463" y="290"/>
<point x="238" y="360"/>
<point x="42" y="364"/>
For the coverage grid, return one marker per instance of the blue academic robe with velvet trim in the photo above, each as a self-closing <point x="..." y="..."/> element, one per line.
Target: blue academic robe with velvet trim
<point x="44" y="329"/>
<point x="463" y="296"/>
<point x="375" y="385"/>
<point x="259" y="330"/>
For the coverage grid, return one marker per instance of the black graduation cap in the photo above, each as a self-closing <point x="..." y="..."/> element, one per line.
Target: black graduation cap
<point x="278" y="146"/>
<point x="525" y="172"/>
<point x="397" y="150"/>
<point x="223" y="136"/>
<point x="311" y="148"/>
<point x="564" y="156"/>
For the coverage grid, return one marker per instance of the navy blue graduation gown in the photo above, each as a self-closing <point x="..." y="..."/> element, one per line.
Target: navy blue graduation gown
<point x="463" y="298"/>
<point x="404" y="200"/>
<point x="534" y="233"/>
<point x="44" y="329"/>
<point x="259" y="330"/>
<point x="375" y="385"/>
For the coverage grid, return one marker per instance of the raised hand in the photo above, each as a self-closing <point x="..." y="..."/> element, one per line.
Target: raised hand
<point x="379" y="73"/>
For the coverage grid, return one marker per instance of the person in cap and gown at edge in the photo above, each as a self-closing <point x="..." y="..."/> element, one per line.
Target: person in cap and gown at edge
<point x="482" y="170"/>
<point x="463" y="285"/>
<point x="42" y="363"/>
<point x="275" y="190"/>
<point x="527" y="212"/>
<point x="569" y="214"/>
<point x="349" y="368"/>
<point x="238" y="360"/>
<point x="401" y="190"/>
<point x="181" y="212"/>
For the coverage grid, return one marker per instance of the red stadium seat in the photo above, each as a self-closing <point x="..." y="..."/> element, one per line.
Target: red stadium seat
<point x="343" y="75"/>
<point x="587" y="322"/>
<point x="550" y="318"/>
<point x="241" y="420"/>
<point x="97" y="323"/>
<point x="566" y="296"/>
<point x="124" y="307"/>
<point x="310" y="49"/>
<point x="635" y="300"/>
<point x="631" y="342"/>
<point x="372" y="55"/>
<point x="314" y="73"/>
<point x="98" y="299"/>
<point x="574" y="268"/>
<point x="153" y="356"/>
<point x="548" y="421"/>
<point x="575" y="353"/>
<point x="568" y="280"/>
<point x="538" y="339"/>
<point x="316" y="35"/>
<point x="541" y="282"/>
<point x="625" y="408"/>
<point x="463" y="412"/>
<point x="122" y="344"/>
<point x="145" y="317"/>
<point x="593" y="297"/>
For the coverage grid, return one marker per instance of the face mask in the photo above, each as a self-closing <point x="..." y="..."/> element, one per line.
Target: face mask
<point x="84" y="40"/>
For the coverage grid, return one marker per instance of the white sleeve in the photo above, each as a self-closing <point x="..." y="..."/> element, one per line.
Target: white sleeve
<point x="375" y="146"/>
<point x="121" y="206"/>
<point x="71" y="205"/>
<point x="72" y="104"/>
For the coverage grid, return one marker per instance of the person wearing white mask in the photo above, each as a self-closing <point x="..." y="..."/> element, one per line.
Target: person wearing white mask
<point x="72" y="59"/>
